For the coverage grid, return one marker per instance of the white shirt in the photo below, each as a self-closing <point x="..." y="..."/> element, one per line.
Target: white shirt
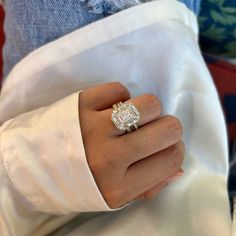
<point x="46" y="182"/>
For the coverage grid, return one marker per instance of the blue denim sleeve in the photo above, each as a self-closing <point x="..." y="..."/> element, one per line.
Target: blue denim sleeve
<point x="193" y="5"/>
<point x="113" y="6"/>
<point x="30" y="24"/>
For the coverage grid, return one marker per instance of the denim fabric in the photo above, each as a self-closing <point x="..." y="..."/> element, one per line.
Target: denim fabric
<point x="30" y="24"/>
<point x="193" y="5"/>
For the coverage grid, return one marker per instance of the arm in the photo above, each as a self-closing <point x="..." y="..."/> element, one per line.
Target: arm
<point x="43" y="168"/>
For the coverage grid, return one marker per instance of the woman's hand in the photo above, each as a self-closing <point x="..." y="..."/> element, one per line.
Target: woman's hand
<point x="134" y="165"/>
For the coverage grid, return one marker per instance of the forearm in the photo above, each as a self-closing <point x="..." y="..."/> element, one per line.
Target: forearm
<point x="43" y="169"/>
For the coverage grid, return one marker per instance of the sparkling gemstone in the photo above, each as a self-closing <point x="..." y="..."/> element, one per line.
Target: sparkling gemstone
<point x="125" y="116"/>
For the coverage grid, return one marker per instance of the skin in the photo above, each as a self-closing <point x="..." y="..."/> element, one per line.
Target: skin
<point x="128" y="166"/>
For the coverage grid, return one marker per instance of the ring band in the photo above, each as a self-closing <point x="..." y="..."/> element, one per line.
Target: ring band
<point x="125" y="116"/>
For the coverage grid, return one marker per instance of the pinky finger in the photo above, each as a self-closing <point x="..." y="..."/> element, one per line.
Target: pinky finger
<point x="151" y="193"/>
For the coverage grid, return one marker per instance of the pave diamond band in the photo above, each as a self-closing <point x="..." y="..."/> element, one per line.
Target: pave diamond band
<point x="125" y="116"/>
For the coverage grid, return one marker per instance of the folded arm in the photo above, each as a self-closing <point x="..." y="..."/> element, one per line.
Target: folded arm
<point x="43" y="168"/>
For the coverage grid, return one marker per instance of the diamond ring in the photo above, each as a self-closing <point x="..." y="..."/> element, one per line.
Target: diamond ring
<point x="125" y="116"/>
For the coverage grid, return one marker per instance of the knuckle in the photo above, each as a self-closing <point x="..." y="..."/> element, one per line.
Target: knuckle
<point x="149" y="195"/>
<point x="96" y="162"/>
<point x="152" y="104"/>
<point x="134" y="146"/>
<point x="93" y="166"/>
<point x="105" y="161"/>
<point x="113" y="197"/>
<point x="175" y="128"/>
<point x="120" y="89"/>
<point x="145" y="196"/>
<point x="181" y="146"/>
<point x="177" y="155"/>
<point x="151" y="98"/>
<point x="110" y="163"/>
<point x="102" y="166"/>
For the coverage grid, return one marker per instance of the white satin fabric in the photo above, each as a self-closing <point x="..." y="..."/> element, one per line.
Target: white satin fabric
<point x="45" y="179"/>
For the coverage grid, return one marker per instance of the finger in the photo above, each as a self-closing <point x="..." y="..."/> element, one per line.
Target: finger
<point x="151" y="193"/>
<point x="104" y="96"/>
<point x="147" y="173"/>
<point x="149" y="139"/>
<point x="148" y="105"/>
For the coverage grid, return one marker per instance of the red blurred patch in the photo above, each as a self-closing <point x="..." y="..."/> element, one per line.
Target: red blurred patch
<point x="224" y="75"/>
<point x="2" y="39"/>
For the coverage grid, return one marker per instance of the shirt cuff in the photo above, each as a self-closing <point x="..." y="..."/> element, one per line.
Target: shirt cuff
<point x="44" y="157"/>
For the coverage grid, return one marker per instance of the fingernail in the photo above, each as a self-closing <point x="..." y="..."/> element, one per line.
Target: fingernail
<point x="175" y="177"/>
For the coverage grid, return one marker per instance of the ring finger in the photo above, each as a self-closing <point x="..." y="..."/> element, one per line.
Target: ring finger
<point x="148" y="106"/>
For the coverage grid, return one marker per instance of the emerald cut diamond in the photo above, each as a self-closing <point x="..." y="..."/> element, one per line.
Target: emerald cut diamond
<point x="125" y="115"/>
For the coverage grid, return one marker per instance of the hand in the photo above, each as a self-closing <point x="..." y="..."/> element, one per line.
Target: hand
<point x="134" y="165"/>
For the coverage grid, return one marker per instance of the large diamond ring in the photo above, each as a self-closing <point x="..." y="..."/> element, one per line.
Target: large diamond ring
<point x="125" y="116"/>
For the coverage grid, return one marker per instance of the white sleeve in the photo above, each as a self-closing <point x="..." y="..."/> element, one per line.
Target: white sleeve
<point x="43" y="167"/>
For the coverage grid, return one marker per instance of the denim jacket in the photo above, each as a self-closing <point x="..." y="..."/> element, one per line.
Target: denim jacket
<point x="30" y="24"/>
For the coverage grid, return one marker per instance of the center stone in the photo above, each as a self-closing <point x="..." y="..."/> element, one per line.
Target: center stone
<point x="125" y="116"/>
